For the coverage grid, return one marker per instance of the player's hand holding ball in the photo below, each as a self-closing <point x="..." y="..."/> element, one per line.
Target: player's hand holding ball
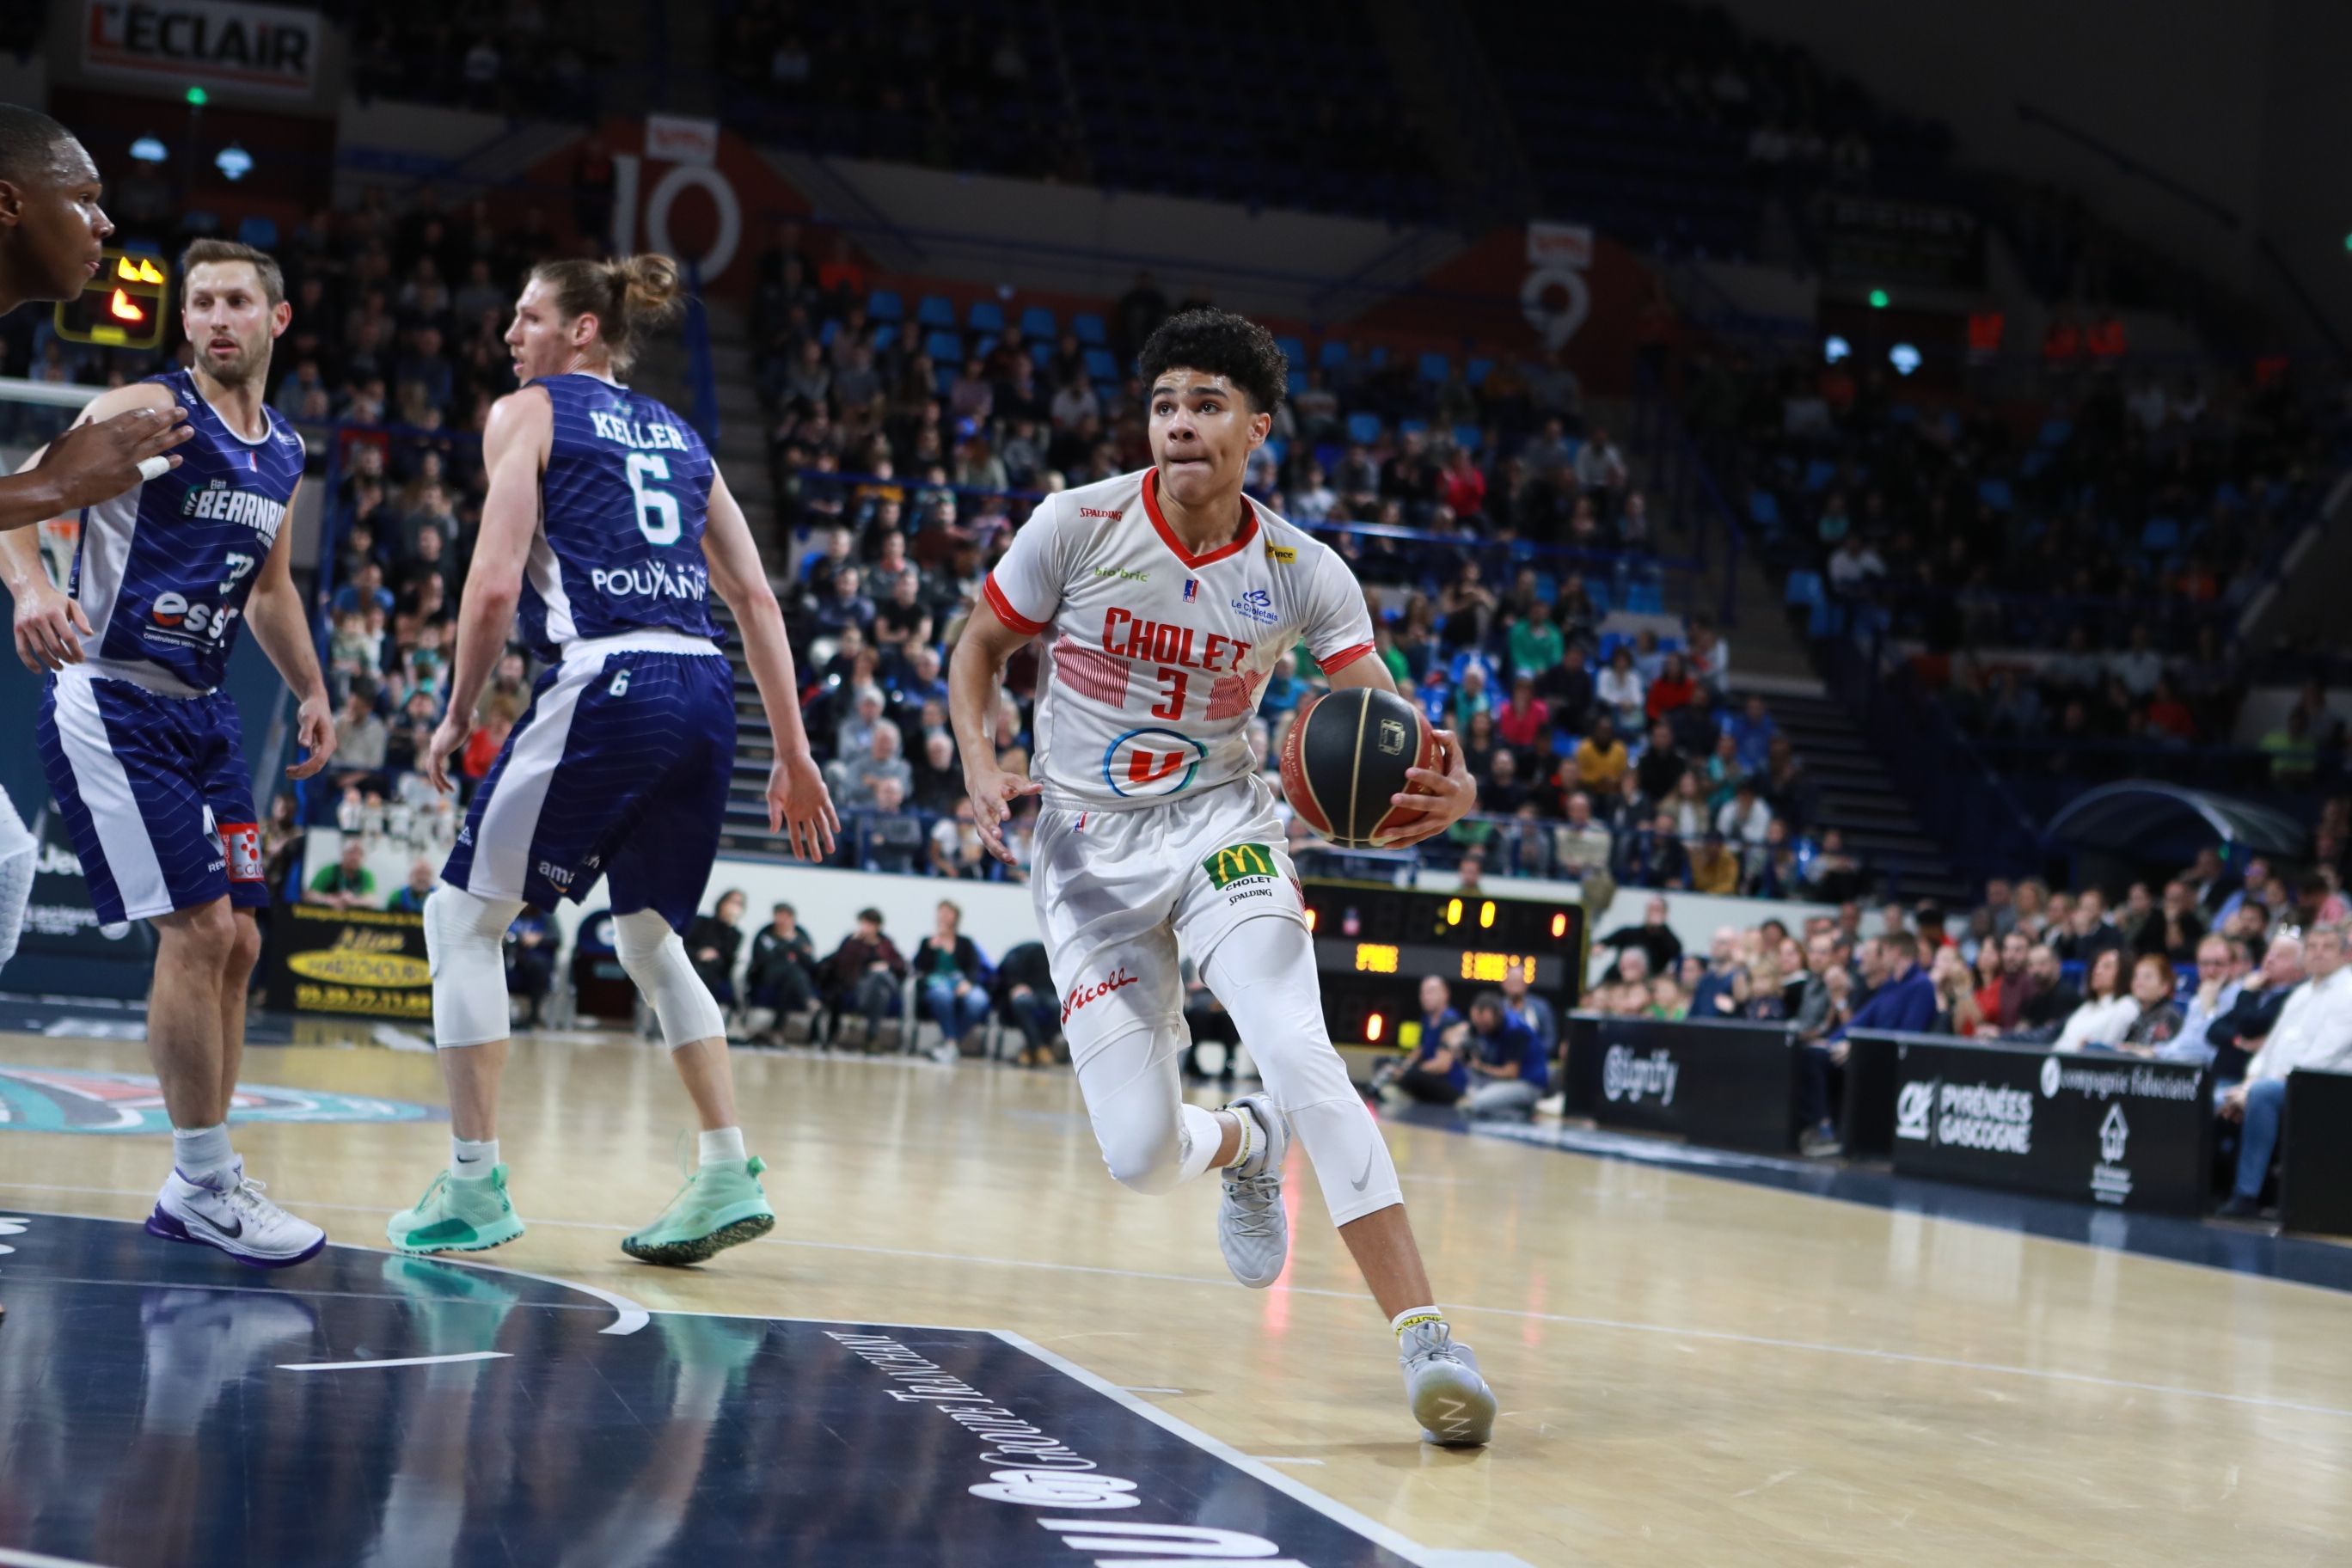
<point x="992" y="791"/>
<point x="1362" y="767"/>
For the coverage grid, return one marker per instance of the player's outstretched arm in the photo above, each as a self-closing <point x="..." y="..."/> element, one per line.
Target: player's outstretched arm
<point x="274" y="610"/>
<point x="987" y="642"/>
<point x="514" y="452"/>
<point x="49" y="627"/>
<point x="99" y="458"/>
<point x="1452" y="796"/>
<point x="799" y="806"/>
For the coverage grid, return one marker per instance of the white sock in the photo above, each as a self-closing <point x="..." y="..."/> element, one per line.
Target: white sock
<point x="1412" y="1315"/>
<point x="201" y="1152"/>
<point x="724" y="1147"/>
<point x="1203" y="1133"/>
<point x="470" y="1159"/>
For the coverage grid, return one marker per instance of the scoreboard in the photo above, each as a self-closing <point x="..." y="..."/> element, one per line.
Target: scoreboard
<point x="1374" y="943"/>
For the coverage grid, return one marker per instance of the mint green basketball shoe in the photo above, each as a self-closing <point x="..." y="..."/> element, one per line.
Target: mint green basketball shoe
<point x="456" y="1214"/>
<point x="721" y="1206"/>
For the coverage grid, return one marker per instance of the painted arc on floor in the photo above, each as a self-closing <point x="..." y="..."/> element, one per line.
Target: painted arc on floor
<point x="78" y="1099"/>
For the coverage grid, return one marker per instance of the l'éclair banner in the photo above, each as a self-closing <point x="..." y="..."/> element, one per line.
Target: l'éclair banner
<point x="370" y="962"/>
<point x="223" y="43"/>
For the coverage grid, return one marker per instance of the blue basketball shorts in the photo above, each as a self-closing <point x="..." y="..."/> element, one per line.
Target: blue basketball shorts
<point x="620" y="768"/>
<point x="154" y="792"/>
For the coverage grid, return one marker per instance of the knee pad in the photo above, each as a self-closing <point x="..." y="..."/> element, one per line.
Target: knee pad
<point x="462" y="933"/>
<point x="655" y="959"/>
<point x="1135" y="1099"/>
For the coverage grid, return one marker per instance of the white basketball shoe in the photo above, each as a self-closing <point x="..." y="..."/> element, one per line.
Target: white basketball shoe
<point x="1253" y="1231"/>
<point x="1449" y="1398"/>
<point x="227" y="1211"/>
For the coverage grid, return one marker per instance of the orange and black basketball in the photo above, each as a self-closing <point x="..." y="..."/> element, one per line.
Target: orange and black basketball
<point x="1346" y="754"/>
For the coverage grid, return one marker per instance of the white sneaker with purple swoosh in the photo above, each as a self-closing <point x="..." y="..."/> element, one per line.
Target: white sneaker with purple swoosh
<point x="230" y="1213"/>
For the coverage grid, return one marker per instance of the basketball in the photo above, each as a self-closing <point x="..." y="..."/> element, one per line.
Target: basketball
<point x="1345" y="756"/>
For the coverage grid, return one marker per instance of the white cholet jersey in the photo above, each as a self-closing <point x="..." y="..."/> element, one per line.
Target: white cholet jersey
<point x="1154" y="658"/>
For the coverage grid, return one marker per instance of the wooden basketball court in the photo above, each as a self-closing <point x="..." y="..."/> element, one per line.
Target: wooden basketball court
<point x="1691" y="1369"/>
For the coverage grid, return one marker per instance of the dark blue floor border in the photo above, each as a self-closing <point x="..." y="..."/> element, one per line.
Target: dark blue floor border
<point x="2238" y="1249"/>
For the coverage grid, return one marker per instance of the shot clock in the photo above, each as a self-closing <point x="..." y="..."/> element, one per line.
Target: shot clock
<point x="1374" y="944"/>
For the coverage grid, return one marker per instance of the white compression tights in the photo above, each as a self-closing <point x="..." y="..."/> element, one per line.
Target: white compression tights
<point x="1265" y="974"/>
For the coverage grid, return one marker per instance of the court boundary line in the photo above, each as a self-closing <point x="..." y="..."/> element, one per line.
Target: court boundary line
<point x="1723" y="1335"/>
<point x="1339" y="1513"/>
<point x="628" y="1316"/>
<point x="12" y="1557"/>
<point x="394" y="1361"/>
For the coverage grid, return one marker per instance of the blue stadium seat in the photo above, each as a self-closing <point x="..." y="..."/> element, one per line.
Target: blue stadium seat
<point x="261" y="233"/>
<point x="1101" y="366"/>
<point x="1468" y="436"/>
<point x="1334" y="355"/>
<point x="1039" y="351"/>
<point x="2161" y="536"/>
<point x="883" y="305"/>
<point x="1994" y="493"/>
<point x="935" y="311"/>
<point x="985" y="316"/>
<point x="1474" y="374"/>
<point x="1763" y="508"/>
<point x="986" y="346"/>
<point x="1294" y="350"/>
<point x="1413" y="426"/>
<point x="1089" y="329"/>
<point x="887" y="334"/>
<point x="1436" y="368"/>
<point x="1803" y="588"/>
<point x="1038" y="323"/>
<point x="1379" y="356"/>
<point x="946" y="350"/>
<point x="1818" y="474"/>
<point x="1363" y="429"/>
<point x="2055" y="431"/>
<point x="830" y="330"/>
<point x="1297" y="382"/>
<point x="945" y="377"/>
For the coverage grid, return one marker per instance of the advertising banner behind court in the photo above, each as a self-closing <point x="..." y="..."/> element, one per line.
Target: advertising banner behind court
<point x="1730" y="1086"/>
<point x="366" y="962"/>
<point x="2113" y="1129"/>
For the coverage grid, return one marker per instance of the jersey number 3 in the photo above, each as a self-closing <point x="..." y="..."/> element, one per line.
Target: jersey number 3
<point x="656" y="510"/>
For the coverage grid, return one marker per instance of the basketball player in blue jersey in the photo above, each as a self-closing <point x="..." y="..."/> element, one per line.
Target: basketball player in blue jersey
<point x="141" y="747"/>
<point x="608" y="527"/>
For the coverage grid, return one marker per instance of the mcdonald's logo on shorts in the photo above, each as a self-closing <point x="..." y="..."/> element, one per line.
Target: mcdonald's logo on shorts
<point x="1238" y="862"/>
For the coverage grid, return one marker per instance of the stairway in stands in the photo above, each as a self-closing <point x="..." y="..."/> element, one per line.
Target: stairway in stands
<point x="1862" y="803"/>
<point x="742" y="457"/>
<point x="1876" y="819"/>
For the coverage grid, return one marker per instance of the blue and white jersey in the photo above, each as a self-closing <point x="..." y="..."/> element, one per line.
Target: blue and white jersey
<point x="619" y="546"/>
<point x="162" y="570"/>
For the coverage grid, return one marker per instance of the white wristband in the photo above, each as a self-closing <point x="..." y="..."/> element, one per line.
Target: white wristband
<point x="155" y="468"/>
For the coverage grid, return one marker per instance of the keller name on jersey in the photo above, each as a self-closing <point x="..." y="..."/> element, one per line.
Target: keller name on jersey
<point x="623" y="501"/>
<point x="642" y="435"/>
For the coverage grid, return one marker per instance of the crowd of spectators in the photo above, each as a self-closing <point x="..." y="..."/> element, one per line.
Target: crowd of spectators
<point x="2070" y="582"/>
<point x="2232" y="967"/>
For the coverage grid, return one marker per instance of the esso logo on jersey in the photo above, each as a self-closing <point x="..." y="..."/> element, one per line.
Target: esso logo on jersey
<point x="186" y="621"/>
<point x="1146" y="763"/>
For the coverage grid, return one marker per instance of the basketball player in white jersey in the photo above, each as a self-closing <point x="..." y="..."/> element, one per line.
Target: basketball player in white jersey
<point x="52" y="242"/>
<point x="1161" y="600"/>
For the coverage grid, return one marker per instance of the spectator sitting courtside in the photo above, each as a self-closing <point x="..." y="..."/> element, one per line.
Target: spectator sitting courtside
<point x="2314" y="1030"/>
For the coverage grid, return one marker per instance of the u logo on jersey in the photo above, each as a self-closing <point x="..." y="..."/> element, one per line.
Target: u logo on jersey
<point x="1148" y="764"/>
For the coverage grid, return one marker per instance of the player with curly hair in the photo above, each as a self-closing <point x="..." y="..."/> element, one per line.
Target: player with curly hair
<point x="1161" y="600"/>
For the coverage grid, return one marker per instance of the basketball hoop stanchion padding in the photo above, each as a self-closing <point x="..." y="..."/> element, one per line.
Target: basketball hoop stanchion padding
<point x="1346" y="755"/>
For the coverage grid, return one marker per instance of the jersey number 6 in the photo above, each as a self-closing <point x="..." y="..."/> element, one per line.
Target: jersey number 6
<point x="656" y="510"/>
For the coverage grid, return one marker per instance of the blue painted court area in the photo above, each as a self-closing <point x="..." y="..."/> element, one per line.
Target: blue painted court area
<point x="160" y="1405"/>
